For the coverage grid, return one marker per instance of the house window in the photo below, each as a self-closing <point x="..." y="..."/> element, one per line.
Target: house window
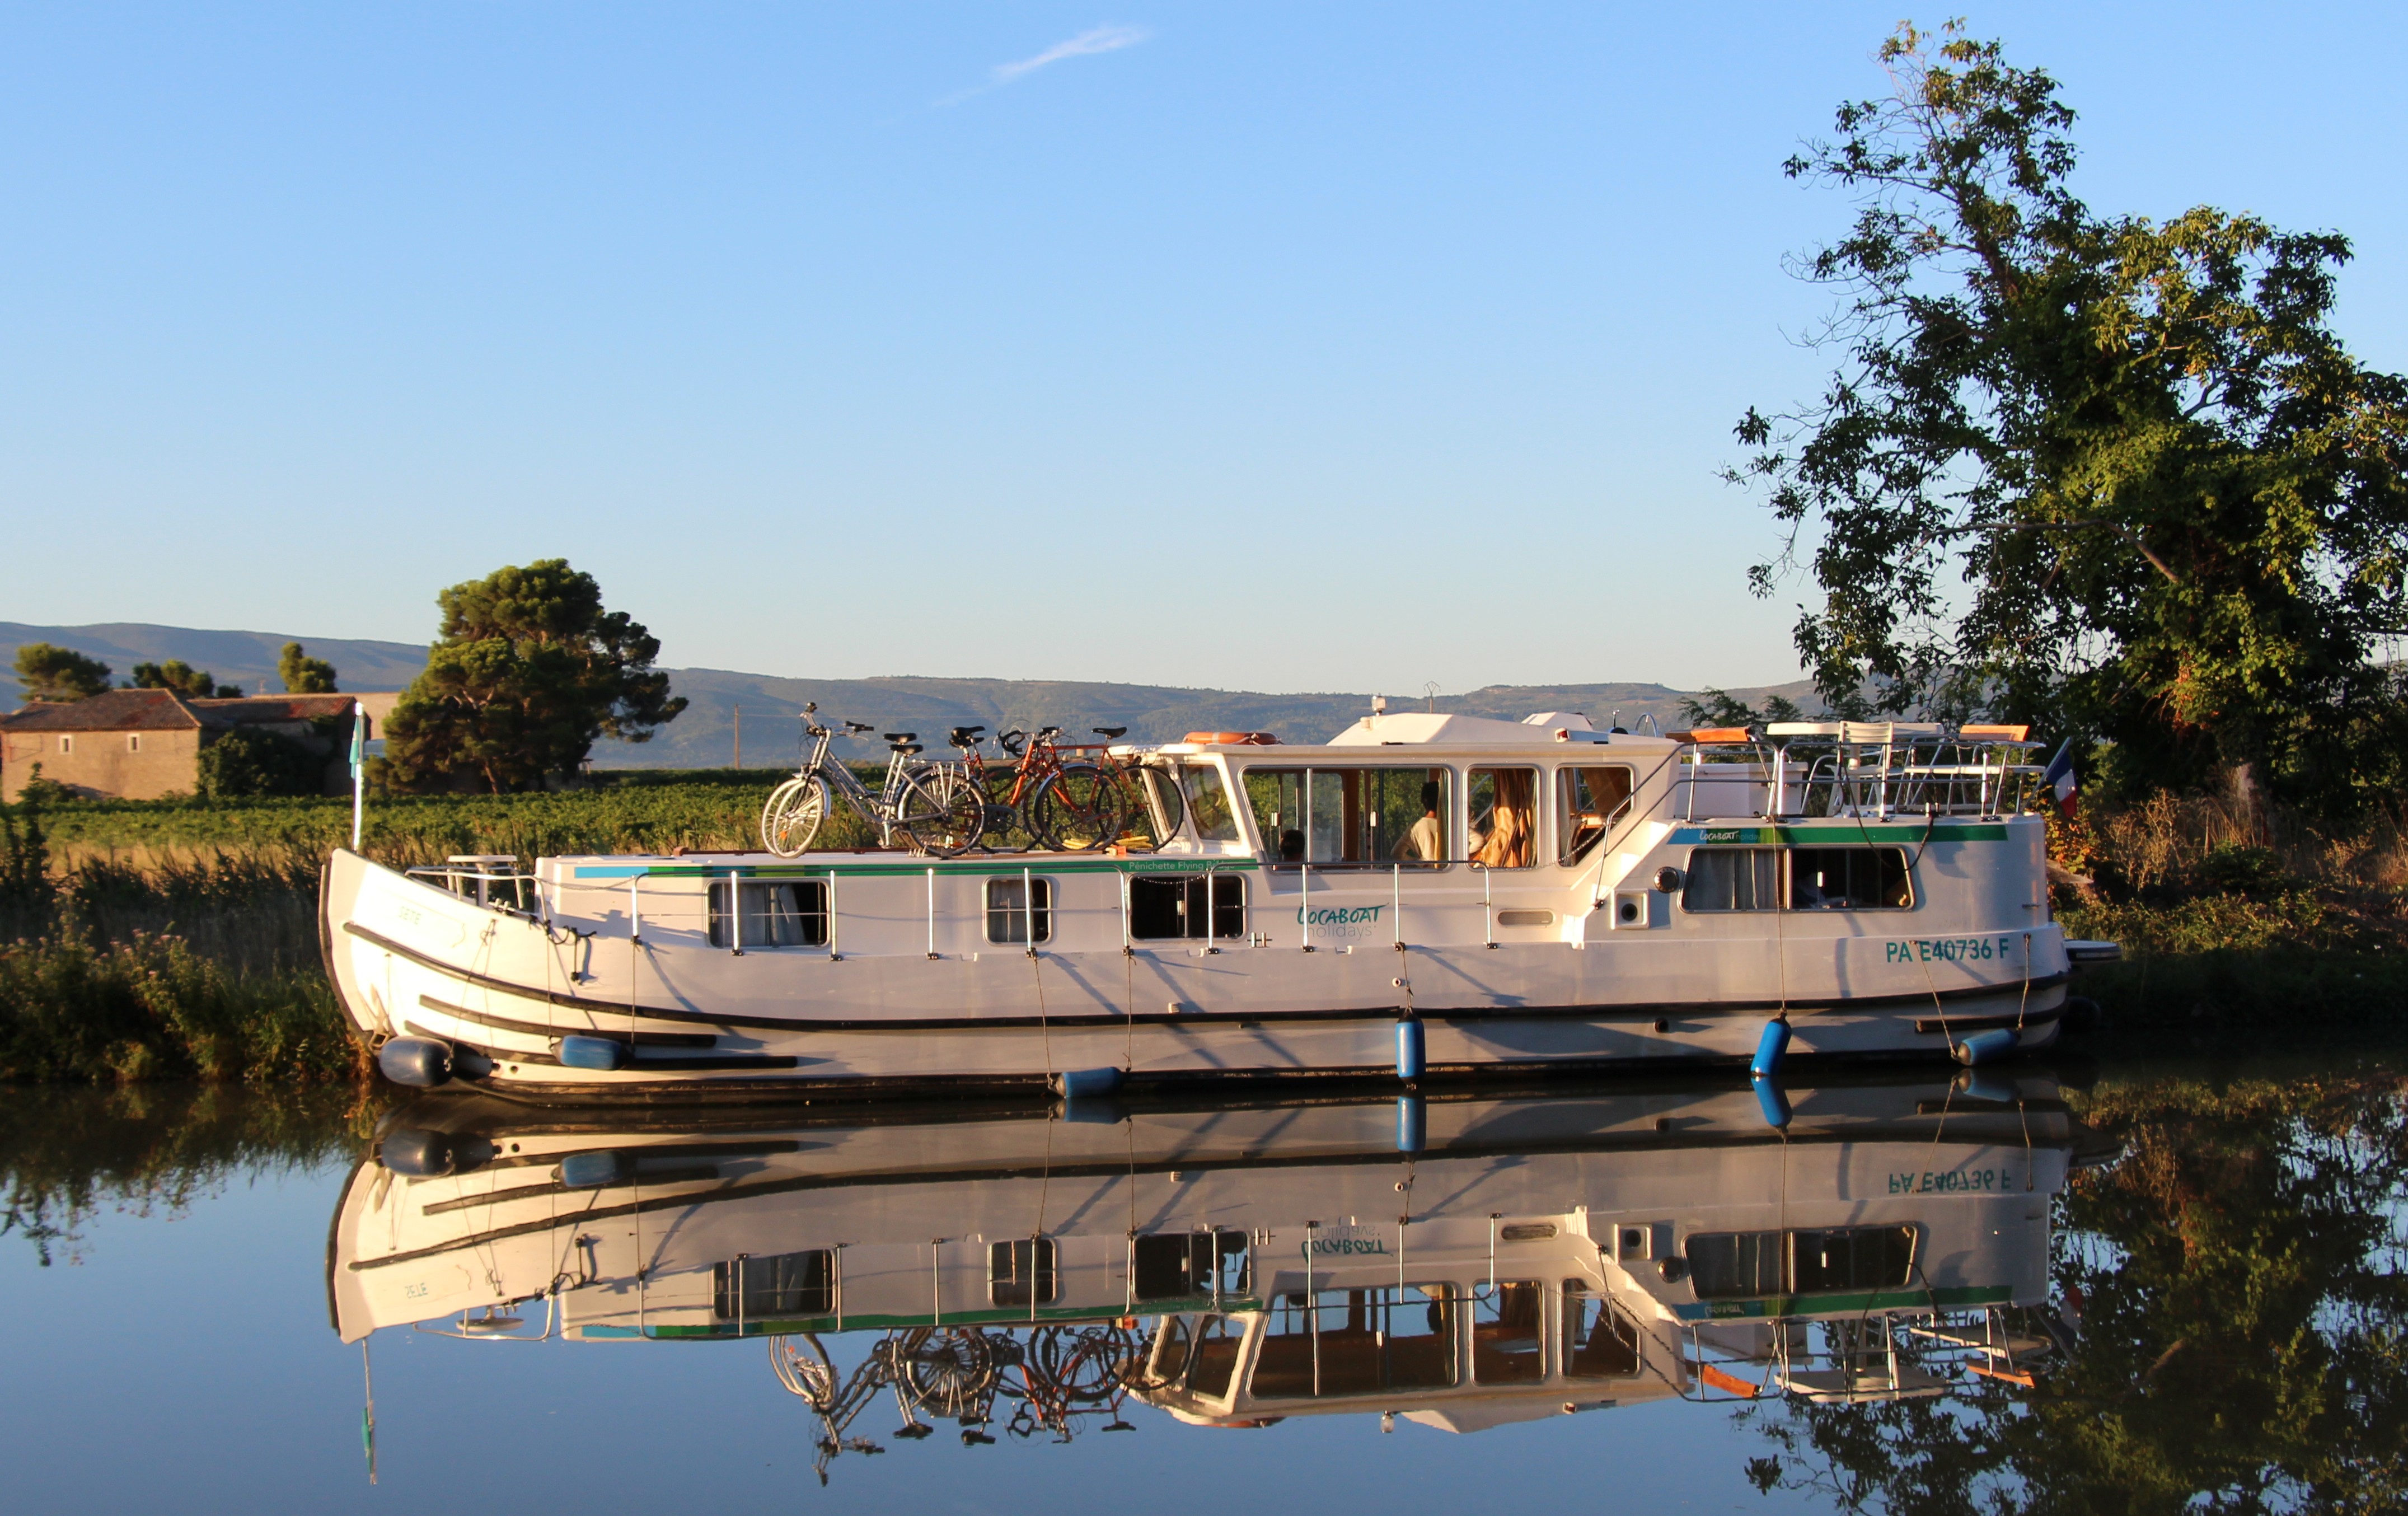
<point x="134" y="742"/>
<point x="1326" y="816"/>
<point x="778" y="1284"/>
<point x="1589" y="804"/>
<point x="1504" y="827"/>
<point x="1020" y="910"/>
<point x="1023" y="1273"/>
<point x="1191" y="906"/>
<point x="781" y="915"/>
<point x="66" y="744"/>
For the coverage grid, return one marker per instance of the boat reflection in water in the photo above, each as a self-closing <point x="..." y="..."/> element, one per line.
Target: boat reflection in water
<point x="1462" y="1261"/>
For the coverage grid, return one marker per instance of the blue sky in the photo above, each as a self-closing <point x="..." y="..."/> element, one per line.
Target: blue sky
<point x="1291" y="348"/>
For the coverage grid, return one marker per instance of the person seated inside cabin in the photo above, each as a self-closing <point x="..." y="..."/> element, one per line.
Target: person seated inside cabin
<point x="1502" y="836"/>
<point x="1426" y="841"/>
<point x="1291" y="846"/>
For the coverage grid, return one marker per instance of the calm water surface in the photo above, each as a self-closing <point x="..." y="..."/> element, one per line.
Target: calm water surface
<point x="2144" y="1287"/>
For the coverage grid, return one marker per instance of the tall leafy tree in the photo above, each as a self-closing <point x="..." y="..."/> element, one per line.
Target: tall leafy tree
<point x="2116" y="475"/>
<point x="529" y="672"/>
<point x="303" y="674"/>
<point x="51" y="673"/>
<point x="183" y="677"/>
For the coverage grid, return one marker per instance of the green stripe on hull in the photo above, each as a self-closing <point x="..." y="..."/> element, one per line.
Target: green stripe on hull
<point x="973" y="867"/>
<point x="1837" y="832"/>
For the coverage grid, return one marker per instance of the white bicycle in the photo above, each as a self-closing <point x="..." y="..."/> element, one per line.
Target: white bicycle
<point x="933" y="808"/>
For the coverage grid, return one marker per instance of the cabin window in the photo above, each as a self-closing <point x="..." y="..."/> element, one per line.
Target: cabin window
<point x="1848" y="879"/>
<point x="781" y="1284"/>
<point x="1194" y="906"/>
<point x="1727" y="1265"/>
<point x="134" y="742"/>
<point x="1215" y="1356"/>
<point x="1020" y="910"/>
<point x="1818" y="879"/>
<point x="1589" y="804"/>
<point x="1357" y="1342"/>
<point x="66" y="744"/>
<point x="1371" y="815"/>
<point x="1600" y="1341"/>
<point x="1177" y="1265"/>
<point x="1208" y="801"/>
<point x="786" y="914"/>
<point x="1508" y="1334"/>
<point x="1733" y="878"/>
<point x="1504" y="811"/>
<point x="1851" y="1258"/>
<point x="1163" y="804"/>
<point x="1022" y="1272"/>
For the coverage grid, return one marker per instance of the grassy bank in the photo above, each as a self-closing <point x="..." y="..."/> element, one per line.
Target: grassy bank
<point x="78" y="1010"/>
<point x="2232" y="929"/>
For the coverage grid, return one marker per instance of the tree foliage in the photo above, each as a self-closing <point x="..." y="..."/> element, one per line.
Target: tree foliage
<point x="253" y="760"/>
<point x="529" y="672"/>
<point x="51" y="673"/>
<point x="183" y="677"/>
<point x="2244" y="1329"/>
<point x="2108" y="475"/>
<point x="303" y="674"/>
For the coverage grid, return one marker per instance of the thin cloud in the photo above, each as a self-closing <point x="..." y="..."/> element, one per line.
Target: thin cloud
<point x="1086" y="44"/>
<point x="1101" y="39"/>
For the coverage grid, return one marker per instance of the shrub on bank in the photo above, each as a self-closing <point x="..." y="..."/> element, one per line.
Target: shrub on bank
<point x="76" y="1011"/>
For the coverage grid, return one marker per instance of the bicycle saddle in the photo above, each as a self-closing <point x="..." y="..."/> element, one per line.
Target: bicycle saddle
<point x="1108" y="733"/>
<point x="856" y="726"/>
<point x="900" y="736"/>
<point x="904" y="747"/>
<point x="966" y="733"/>
<point x="1049" y="731"/>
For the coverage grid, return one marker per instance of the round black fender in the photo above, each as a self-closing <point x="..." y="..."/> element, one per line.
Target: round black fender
<point x="2082" y="1015"/>
<point x="421" y="1063"/>
<point x="415" y="1152"/>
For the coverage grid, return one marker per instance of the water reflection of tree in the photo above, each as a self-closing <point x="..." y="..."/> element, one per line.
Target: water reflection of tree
<point x="2243" y="1342"/>
<point x="66" y="1153"/>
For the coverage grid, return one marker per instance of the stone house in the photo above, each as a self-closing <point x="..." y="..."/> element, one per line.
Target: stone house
<point x="143" y="744"/>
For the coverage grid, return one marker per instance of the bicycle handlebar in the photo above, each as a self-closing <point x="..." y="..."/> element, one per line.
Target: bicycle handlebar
<point x="1010" y="741"/>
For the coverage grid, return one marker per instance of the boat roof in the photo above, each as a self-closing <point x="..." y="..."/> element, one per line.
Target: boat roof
<point x="1437" y="729"/>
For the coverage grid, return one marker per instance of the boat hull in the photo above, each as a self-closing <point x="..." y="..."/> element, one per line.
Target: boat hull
<point x="503" y="989"/>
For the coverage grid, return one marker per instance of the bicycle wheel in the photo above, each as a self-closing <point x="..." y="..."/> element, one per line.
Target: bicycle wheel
<point x="803" y="1367"/>
<point x="946" y="1373"/>
<point x="1078" y="809"/>
<point x="942" y="812"/>
<point x="792" y="813"/>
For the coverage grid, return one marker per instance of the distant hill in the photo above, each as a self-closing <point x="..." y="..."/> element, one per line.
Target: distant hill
<point x="705" y="735"/>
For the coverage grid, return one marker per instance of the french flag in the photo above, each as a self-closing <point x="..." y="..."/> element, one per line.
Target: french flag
<point x="2059" y="777"/>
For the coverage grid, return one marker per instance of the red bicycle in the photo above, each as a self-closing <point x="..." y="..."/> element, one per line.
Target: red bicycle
<point x="1073" y="805"/>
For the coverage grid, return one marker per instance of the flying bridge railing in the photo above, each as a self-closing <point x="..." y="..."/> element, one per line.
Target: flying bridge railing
<point x="1857" y="768"/>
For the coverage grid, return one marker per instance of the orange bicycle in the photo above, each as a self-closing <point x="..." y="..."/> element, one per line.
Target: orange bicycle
<point x="1073" y="806"/>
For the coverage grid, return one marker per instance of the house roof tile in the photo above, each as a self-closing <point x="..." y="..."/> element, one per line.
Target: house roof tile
<point x="115" y="711"/>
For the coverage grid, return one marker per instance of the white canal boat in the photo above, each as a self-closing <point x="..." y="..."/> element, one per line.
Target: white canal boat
<point x="1428" y="896"/>
<point x="1459" y="1261"/>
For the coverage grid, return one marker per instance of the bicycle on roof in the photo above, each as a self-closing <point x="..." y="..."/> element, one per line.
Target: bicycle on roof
<point x="930" y="807"/>
<point x="1060" y="805"/>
